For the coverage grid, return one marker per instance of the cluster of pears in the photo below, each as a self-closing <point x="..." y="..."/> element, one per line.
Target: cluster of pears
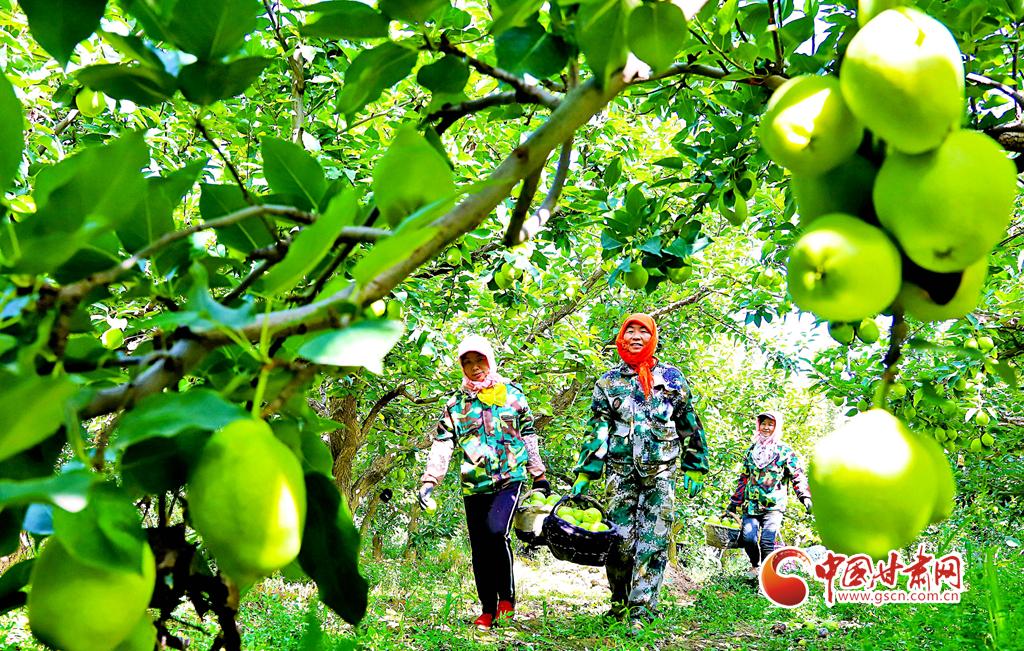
<point x="587" y="519"/>
<point x="919" y="226"/>
<point x="247" y="499"/>
<point x="877" y="485"/>
<point x="538" y="499"/>
<point x="866" y="330"/>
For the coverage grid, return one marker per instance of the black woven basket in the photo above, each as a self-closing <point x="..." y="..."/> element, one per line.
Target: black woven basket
<point x="568" y="542"/>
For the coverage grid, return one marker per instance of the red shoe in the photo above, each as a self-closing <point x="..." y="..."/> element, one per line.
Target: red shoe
<point x="484" y="622"/>
<point x="505" y="610"/>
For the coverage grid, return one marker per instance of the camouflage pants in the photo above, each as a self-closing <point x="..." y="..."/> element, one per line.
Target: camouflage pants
<point x="644" y="509"/>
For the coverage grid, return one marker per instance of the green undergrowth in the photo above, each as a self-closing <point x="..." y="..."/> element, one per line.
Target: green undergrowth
<point x="429" y="603"/>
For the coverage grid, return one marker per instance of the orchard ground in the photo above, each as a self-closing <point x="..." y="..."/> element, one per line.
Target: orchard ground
<point x="428" y="603"/>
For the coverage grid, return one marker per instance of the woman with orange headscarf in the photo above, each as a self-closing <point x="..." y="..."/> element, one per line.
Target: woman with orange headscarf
<point x="642" y="423"/>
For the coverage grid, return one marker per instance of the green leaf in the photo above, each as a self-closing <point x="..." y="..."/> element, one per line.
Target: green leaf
<point x="106" y="533"/>
<point x="68" y="490"/>
<point x="449" y="74"/>
<point x="371" y="72"/>
<point x="411" y="11"/>
<point x="156" y="216"/>
<point x="169" y="414"/>
<point x="157" y="465"/>
<point x="601" y="35"/>
<point x="133" y="47"/>
<point x="362" y="344"/>
<point x="345" y="19"/>
<point x="80" y="200"/>
<point x="512" y="13"/>
<point x="410" y="175"/>
<point x="532" y="50"/>
<point x="205" y="82"/>
<point x="245" y="236"/>
<point x="12" y="135"/>
<point x="311" y="245"/>
<point x="656" y="33"/>
<point x="727" y="16"/>
<point x="141" y="84"/>
<point x="12" y="584"/>
<point x="330" y="550"/>
<point x="34" y="408"/>
<point x="210" y="29"/>
<point x="390" y="251"/>
<point x="291" y="170"/>
<point x="60" y="25"/>
<point x="152" y="16"/>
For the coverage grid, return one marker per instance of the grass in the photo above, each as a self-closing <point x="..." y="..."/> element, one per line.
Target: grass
<point x="429" y="604"/>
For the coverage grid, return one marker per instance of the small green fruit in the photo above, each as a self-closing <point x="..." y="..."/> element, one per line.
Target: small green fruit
<point x="867" y="331"/>
<point x="112" y="338"/>
<point x="841" y="332"/>
<point x="987" y="440"/>
<point x="975" y="445"/>
<point x="982" y="418"/>
<point x="680" y="275"/>
<point x="898" y="390"/>
<point x="985" y="344"/>
<point x="90" y="103"/>
<point x="636" y="277"/>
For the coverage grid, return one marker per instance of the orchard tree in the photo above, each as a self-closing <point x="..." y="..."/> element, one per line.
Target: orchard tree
<point x="221" y="216"/>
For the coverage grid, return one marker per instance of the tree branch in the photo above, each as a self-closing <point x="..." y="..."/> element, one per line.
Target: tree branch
<point x="449" y="114"/>
<point x="523" y="203"/>
<point x="298" y="75"/>
<point x="549" y="206"/>
<point x="773" y="27"/>
<point x="1009" y="91"/>
<point x="536" y="93"/>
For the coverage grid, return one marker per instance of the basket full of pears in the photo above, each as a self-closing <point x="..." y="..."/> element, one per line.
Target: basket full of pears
<point x="723" y="531"/>
<point x="577" y="531"/>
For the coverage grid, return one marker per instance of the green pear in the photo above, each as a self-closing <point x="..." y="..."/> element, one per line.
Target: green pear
<point x="410" y="175"/>
<point x="843" y="269"/>
<point x="77" y="606"/>
<point x="903" y="77"/>
<point x="875" y="485"/>
<point x="945" y="484"/>
<point x="808" y="128"/>
<point x="920" y="303"/>
<point x="949" y="207"/>
<point x="636" y="277"/>
<point x="680" y="275"/>
<point x="845" y="188"/>
<point x="841" y="332"/>
<point x="867" y="331"/>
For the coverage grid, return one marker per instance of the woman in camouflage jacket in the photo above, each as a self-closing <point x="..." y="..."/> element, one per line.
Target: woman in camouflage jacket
<point x="761" y="489"/>
<point x="642" y="424"/>
<point x="492" y="425"/>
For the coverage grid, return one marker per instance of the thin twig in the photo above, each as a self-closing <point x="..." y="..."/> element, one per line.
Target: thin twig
<point x="1009" y="91"/>
<point x="304" y="373"/>
<point x="201" y="128"/>
<point x="897" y="335"/>
<point x="529" y="229"/>
<point x="76" y="290"/>
<point x="297" y="74"/>
<point x="449" y="114"/>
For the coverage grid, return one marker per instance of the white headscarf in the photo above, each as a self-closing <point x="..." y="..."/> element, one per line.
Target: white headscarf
<point x="765" y="449"/>
<point x="478" y="344"/>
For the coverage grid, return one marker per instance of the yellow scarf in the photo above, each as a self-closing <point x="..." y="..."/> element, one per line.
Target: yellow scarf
<point x="496" y="395"/>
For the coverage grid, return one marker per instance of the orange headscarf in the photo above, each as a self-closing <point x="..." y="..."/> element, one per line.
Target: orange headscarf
<point x="643" y="361"/>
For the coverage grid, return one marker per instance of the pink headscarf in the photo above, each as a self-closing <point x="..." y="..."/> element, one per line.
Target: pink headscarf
<point x="765" y="449"/>
<point x="478" y="344"/>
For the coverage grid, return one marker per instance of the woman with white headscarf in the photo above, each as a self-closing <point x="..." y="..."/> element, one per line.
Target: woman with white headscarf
<point x="489" y="420"/>
<point x="761" y="488"/>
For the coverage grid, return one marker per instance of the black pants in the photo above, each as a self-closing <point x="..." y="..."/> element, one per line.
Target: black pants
<point x="489" y="517"/>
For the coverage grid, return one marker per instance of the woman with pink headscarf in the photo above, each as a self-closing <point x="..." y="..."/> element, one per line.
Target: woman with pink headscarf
<point x="489" y="420"/>
<point x="761" y="488"/>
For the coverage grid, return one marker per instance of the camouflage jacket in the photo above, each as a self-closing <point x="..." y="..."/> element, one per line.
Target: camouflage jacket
<point x="495" y="441"/>
<point x="629" y="431"/>
<point x="759" y="490"/>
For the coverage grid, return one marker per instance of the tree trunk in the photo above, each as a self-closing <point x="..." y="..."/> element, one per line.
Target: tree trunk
<point x="345" y="441"/>
<point x="371" y="510"/>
